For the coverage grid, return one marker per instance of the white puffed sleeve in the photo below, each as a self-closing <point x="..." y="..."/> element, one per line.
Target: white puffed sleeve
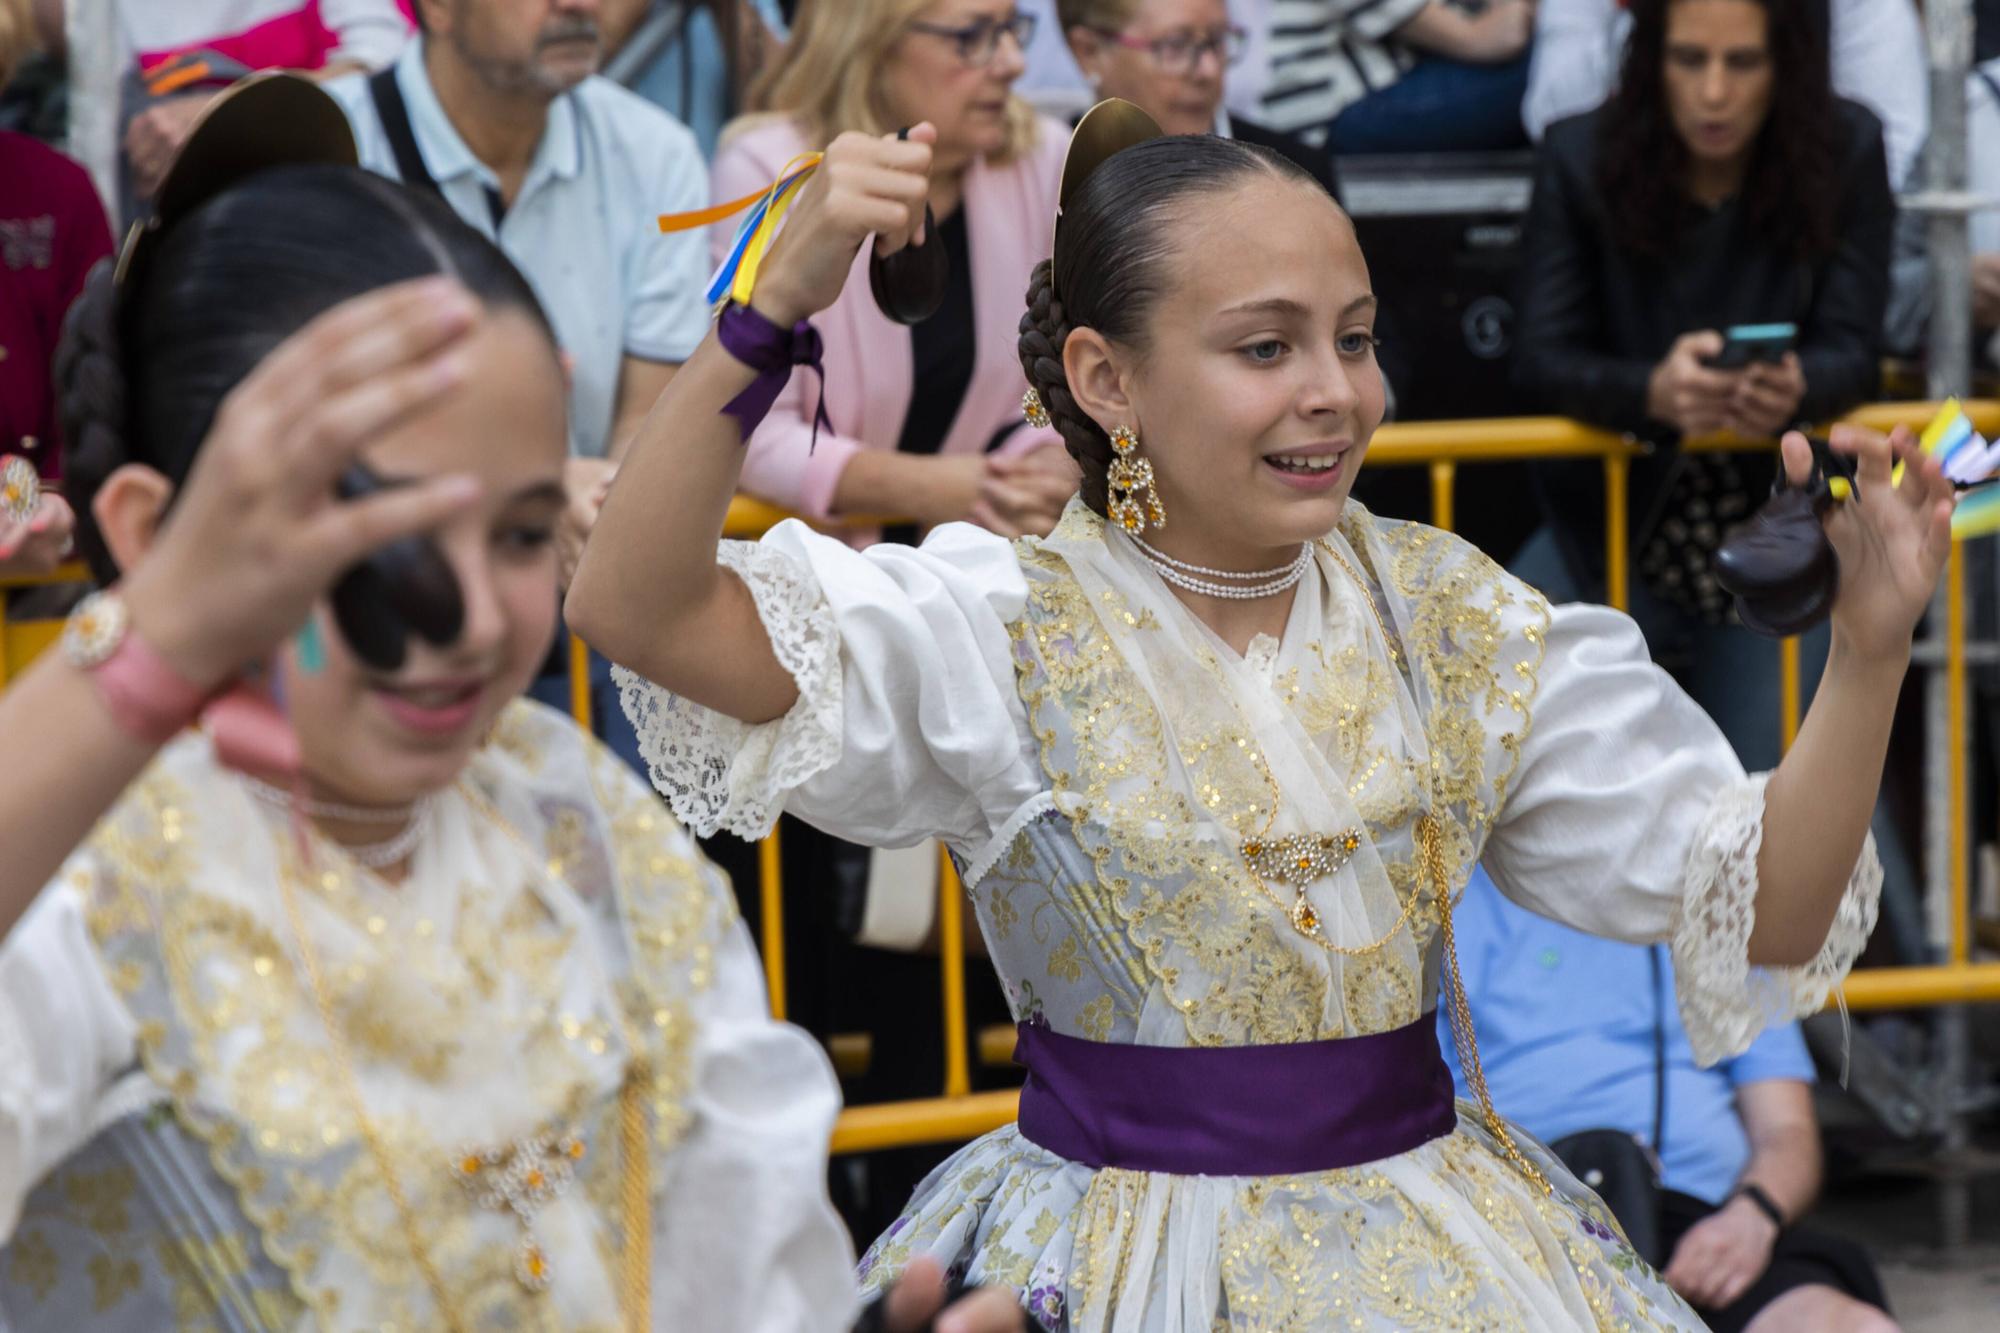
<point x="64" y="1037"/>
<point x="1629" y="817"/>
<point x="748" y="1238"/>
<point x="907" y="725"/>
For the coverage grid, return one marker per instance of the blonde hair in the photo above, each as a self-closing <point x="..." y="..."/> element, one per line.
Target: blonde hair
<point x="1106" y="15"/>
<point x="827" y="81"/>
<point x="17" y="37"/>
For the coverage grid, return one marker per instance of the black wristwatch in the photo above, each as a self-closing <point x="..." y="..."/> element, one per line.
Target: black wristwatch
<point x="1765" y="1203"/>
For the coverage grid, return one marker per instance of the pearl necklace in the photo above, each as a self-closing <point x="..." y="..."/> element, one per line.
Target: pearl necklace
<point x="371" y="855"/>
<point x="1201" y="579"/>
<point x="394" y="851"/>
<point x="352" y="814"/>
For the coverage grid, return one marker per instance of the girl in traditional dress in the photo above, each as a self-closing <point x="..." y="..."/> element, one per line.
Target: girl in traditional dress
<point x="1216" y="755"/>
<point x="462" y="1033"/>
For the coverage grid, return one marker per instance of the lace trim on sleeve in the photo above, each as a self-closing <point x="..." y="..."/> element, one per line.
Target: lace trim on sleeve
<point x="720" y="773"/>
<point x="1724" y="1001"/>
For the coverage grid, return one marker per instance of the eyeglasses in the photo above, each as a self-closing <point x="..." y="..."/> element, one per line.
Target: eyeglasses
<point x="1181" y="52"/>
<point x="978" y="42"/>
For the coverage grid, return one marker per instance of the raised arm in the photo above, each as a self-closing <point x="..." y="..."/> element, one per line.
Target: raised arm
<point x="648" y="592"/>
<point x="1628" y="815"/>
<point x="1892" y="543"/>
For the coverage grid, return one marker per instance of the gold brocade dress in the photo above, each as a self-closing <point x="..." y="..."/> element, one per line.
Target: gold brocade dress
<point x="1106" y="770"/>
<point x="198" y="1132"/>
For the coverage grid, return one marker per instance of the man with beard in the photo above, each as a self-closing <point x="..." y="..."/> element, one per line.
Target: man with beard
<point x="497" y="105"/>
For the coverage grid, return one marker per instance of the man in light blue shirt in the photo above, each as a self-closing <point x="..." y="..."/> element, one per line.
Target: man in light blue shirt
<point x="1567" y="1026"/>
<point x="567" y="172"/>
<point x="499" y="109"/>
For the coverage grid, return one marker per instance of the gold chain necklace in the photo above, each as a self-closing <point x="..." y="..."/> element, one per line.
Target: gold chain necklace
<point x="1430" y="849"/>
<point x="636" y="1194"/>
<point x="1430" y="845"/>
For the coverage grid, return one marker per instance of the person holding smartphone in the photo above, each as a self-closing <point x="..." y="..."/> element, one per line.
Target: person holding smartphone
<point x="1723" y="184"/>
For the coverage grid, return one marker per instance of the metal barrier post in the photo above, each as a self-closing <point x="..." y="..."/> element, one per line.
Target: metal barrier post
<point x="1790" y="691"/>
<point x="579" y="683"/>
<point x="771" y="900"/>
<point x="1948" y="37"/>
<point x="14" y="641"/>
<point x="951" y="944"/>
<point x="1958" y="946"/>
<point x="1444" y="473"/>
<point x="1617" y="470"/>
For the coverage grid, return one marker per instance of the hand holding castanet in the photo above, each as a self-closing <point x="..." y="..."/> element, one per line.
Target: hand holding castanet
<point x="865" y="186"/>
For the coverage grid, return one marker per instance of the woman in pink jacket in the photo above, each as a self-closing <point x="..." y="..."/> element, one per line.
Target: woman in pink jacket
<point x="927" y="419"/>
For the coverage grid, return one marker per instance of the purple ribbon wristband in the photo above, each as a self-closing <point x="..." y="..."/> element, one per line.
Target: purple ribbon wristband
<point x="771" y="351"/>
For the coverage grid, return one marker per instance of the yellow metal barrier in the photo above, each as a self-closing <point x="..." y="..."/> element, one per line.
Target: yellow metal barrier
<point x="771" y="899"/>
<point x="21" y="641"/>
<point x="951" y="948"/>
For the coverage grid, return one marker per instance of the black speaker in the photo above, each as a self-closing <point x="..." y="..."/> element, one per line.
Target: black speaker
<point x="1442" y="234"/>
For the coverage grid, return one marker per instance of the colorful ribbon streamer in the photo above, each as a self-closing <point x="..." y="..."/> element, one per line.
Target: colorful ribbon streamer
<point x="1969" y="462"/>
<point x="737" y="275"/>
<point x="770" y="351"/>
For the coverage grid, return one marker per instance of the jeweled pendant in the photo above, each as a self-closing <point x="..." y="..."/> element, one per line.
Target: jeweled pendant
<point x="1305" y="919"/>
<point x="1298" y="859"/>
<point x="531" y="1266"/>
<point x="20" y="489"/>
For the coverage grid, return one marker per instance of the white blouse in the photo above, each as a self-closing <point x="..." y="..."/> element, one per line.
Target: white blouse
<point x="1628" y="816"/>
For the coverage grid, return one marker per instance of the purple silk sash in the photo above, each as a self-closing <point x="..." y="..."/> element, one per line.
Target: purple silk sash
<point x="1235" y="1110"/>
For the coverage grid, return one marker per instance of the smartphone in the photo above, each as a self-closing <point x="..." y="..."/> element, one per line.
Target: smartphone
<point x="1745" y="343"/>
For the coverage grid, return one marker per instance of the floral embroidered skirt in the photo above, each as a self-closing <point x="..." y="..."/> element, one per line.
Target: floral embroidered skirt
<point x="1447" y="1236"/>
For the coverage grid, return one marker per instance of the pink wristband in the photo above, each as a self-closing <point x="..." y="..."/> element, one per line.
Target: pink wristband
<point x="146" y="697"/>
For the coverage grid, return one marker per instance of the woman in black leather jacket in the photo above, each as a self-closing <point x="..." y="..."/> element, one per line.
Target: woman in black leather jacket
<point x="1722" y="184"/>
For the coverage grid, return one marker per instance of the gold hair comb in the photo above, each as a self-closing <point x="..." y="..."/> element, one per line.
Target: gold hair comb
<point x="1110" y="127"/>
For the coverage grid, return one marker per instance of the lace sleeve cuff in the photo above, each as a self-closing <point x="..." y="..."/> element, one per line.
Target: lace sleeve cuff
<point x="717" y="772"/>
<point x="1724" y="1001"/>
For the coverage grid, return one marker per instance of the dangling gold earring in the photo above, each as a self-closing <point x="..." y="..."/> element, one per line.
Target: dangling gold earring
<point x="1128" y="476"/>
<point x="1032" y="410"/>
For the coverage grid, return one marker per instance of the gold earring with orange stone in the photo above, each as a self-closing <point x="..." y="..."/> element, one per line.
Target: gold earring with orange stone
<point x="1032" y="410"/>
<point x="1128" y="476"/>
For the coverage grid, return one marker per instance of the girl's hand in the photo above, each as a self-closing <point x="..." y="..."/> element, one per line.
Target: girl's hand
<point x="864" y="187"/>
<point x="39" y="545"/>
<point x="1892" y="540"/>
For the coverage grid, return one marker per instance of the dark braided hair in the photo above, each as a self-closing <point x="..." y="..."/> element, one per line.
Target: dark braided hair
<point x="1110" y="267"/>
<point x="141" y="373"/>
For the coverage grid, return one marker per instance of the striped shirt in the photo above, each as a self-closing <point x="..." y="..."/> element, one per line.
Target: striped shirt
<point x="1325" y="55"/>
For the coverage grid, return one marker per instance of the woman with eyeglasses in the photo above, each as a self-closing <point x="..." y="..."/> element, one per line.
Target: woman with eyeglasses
<point x="926" y="420"/>
<point x="1170" y="57"/>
